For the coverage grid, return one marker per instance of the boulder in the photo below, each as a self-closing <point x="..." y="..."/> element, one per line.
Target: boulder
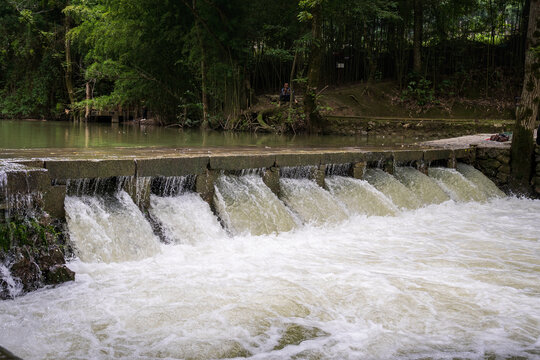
<point x="58" y="274"/>
<point x="27" y="271"/>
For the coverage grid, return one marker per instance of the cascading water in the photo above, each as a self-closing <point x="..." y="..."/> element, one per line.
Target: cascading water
<point x="359" y="196"/>
<point x="310" y="202"/>
<point x="109" y="229"/>
<point x="247" y="205"/>
<point x="457" y="186"/>
<point x="424" y="187"/>
<point x="173" y="186"/>
<point x="480" y="180"/>
<point x="186" y="219"/>
<point x="297" y="172"/>
<point x="400" y="195"/>
<point x="454" y="280"/>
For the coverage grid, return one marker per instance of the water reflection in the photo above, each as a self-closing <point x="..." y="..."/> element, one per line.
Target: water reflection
<point x="53" y="134"/>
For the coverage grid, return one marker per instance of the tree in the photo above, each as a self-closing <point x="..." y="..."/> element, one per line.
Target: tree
<point x="313" y="12"/>
<point x="527" y="112"/>
<point x="418" y="29"/>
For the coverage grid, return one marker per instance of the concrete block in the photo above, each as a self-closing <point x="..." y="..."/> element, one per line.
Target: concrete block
<point x="53" y="201"/>
<point x="88" y="169"/>
<point x="319" y="175"/>
<point x="32" y="163"/>
<point x="204" y="185"/>
<point x="408" y="156"/>
<point x="359" y="170"/>
<point x="342" y="157"/>
<point x="379" y="156"/>
<point x="171" y="166"/>
<point x="240" y="162"/>
<point x="271" y="179"/>
<point x="437" y="154"/>
<point x="27" y="181"/>
<point x="300" y="159"/>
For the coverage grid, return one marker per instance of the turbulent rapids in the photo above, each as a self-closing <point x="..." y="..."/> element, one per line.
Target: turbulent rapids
<point x="403" y="266"/>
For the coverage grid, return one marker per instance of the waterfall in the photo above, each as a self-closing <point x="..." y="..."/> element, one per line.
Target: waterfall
<point x="185" y="219"/>
<point x="310" y="202"/>
<point x="297" y="172"/>
<point x="424" y="187"/>
<point x="457" y="186"/>
<point x="173" y="185"/>
<point x="247" y="205"/>
<point x="400" y="195"/>
<point x="109" y="228"/>
<point x="359" y="196"/>
<point x="14" y="287"/>
<point x="28" y="201"/>
<point x="338" y="169"/>
<point x="480" y="180"/>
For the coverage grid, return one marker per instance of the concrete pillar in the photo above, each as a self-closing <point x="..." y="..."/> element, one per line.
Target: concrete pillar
<point x="271" y="179"/>
<point x="204" y="185"/>
<point x="359" y="169"/>
<point x="472" y="155"/>
<point x="53" y="201"/>
<point x="422" y="167"/>
<point x="139" y="190"/>
<point x="319" y="175"/>
<point x="452" y="161"/>
<point x="388" y="166"/>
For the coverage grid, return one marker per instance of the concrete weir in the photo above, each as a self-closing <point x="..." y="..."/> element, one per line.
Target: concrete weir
<point x="52" y="177"/>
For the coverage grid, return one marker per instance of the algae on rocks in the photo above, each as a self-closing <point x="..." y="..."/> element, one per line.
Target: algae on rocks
<point x="32" y="255"/>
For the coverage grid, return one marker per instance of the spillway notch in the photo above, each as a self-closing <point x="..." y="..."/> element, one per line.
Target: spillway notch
<point x="339" y="169"/>
<point x="173" y="185"/>
<point x="298" y="172"/>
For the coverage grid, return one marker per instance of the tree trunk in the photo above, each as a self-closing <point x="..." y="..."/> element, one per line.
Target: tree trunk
<point x="68" y="75"/>
<point x="526" y="113"/>
<point x="313" y="118"/>
<point x="87" y="107"/>
<point x="204" y="96"/>
<point x="417" y="39"/>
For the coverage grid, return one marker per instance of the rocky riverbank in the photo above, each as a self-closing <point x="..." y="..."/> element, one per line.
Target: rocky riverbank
<point x="32" y="255"/>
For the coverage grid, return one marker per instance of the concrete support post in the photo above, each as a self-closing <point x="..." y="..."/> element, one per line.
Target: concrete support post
<point x="53" y="201"/>
<point x="452" y="161"/>
<point x="359" y="169"/>
<point x="271" y="179"/>
<point x="139" y="190"/>
<point x="472" y="155"/>
<point x="422" y="167"/>
<point x="204" y="185"/>
<point x="388" y="166"/>
<point x="319" y="175"/>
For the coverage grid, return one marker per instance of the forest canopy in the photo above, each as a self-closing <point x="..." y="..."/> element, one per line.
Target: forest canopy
<point x="203" y="62"/>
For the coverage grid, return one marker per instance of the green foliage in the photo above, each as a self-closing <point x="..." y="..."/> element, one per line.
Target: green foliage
<point x="421" y="91"/>
<point x="21" y="232"/>
<point x="159" y="54"/>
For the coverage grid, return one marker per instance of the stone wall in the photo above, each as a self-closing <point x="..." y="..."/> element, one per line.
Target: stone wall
<point x="536" y="178"/>
<point x="495" y="164"/>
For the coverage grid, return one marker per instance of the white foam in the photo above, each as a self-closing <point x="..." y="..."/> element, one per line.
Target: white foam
<point x="186" y="219"/>
<point x="311" y="202"/>
<point x="444" y="281"/>
<point x="360" y="197"/>
<point x="109" y="229"/>
<point x="247" y="205"/>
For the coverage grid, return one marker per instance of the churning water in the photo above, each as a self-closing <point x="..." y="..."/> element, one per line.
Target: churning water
<point x="450" y="280"/>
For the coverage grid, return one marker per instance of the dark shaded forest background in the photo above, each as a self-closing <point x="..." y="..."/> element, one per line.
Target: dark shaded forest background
<point x="204" y="62"/>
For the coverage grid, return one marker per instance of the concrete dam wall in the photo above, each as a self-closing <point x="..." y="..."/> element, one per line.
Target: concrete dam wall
<point x="46" y="182"/>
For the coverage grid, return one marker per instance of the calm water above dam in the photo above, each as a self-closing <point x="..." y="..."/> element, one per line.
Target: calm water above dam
<point x="390" y="267"/>
<point x="54" y="134"/>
